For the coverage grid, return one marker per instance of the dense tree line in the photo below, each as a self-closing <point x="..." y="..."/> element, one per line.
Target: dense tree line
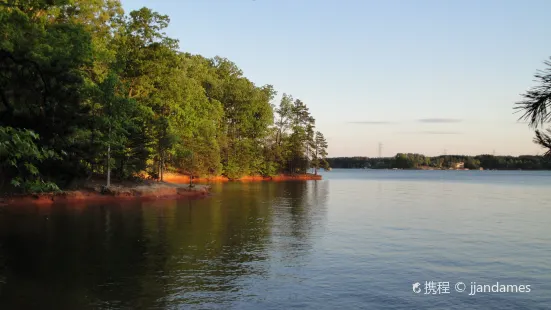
<point x="418" y="161"/>
<point x="87" y="90"/>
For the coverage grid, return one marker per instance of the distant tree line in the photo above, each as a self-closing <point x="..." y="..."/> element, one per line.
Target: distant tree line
<point x="418" y="161"/>
<point x="87" y="90"/>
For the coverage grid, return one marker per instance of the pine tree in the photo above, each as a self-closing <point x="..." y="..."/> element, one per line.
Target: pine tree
<point x="319" y="156"/>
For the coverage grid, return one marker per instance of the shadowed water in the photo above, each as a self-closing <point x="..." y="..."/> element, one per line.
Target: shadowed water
<point x="356" y="240"/>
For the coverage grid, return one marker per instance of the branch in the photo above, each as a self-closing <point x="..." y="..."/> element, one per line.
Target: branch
<point x="537" y="101"/>
<point x="544" y="140"/>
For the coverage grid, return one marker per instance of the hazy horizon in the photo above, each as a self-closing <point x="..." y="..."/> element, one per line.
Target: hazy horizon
<point x="419" y="77"/>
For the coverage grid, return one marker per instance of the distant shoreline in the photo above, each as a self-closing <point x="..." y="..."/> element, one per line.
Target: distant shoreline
<point x="444" y="162"/>
<point x="441" y="169"/>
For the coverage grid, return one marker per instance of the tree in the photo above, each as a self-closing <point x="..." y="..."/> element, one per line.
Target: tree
<point x="284" y="114"/>
<point x="42" y="82"/>
<point x="112" y="96"/>
<point x="300" y="139"/>
<point x="537" y="107"/>
<point x="319" y="158"/>
<point x="472" y="163"/>
<point x="115" y="117"/>
<point x="20" y="158"/>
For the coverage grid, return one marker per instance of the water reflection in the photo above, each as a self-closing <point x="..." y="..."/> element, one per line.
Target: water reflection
<point x="300" y="210"/>
<point x="158" y="254"/>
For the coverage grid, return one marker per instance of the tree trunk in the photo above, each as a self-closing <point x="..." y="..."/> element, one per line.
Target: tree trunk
<point x="162" y="165"/>
<point x="307" y="157"/>
<point x="109" y="165"/>
<point x="93" y="160"/>
<point x="109" y="159"/>
<point x="191" y="172"/>
<point x="316" y="163"/>
<point x="159" y="167"/>
<point x="121" y="173"/>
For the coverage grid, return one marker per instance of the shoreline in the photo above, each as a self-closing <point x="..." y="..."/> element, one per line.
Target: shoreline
<point x="174" y="186"/>
<point x="116" y="193"/>
<point x="184" y="179"/>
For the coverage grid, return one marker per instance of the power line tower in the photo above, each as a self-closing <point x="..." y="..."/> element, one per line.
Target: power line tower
<point x="494" y="152"/>
<point x="380" y="149"/>
<point x="445" y="152"/>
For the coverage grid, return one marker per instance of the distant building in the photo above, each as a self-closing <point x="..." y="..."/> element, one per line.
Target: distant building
<point x="459" y="165"/>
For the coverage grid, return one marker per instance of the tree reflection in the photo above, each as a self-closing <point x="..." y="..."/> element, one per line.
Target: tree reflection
<point x="157" y="254"/>
<point x="300" y="212"/>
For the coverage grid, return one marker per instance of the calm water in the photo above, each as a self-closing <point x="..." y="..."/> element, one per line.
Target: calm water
<point x="358" y="239"/>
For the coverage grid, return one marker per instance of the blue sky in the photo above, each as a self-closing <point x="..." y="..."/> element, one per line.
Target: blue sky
<point x="418" y="76"/>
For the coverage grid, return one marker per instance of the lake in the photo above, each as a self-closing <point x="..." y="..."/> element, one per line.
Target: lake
<point x="359" y="239"/>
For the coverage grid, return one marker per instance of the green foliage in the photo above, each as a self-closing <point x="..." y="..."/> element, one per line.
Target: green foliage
<point x="35" y="186"/>
<point x="19" y="158"/>
<point x="232" y="170"/>
<point x="472" y="163"/>
<point x="88" y="90"/>
<point x="269" y="169"/>
<point x="410" y="161"/>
